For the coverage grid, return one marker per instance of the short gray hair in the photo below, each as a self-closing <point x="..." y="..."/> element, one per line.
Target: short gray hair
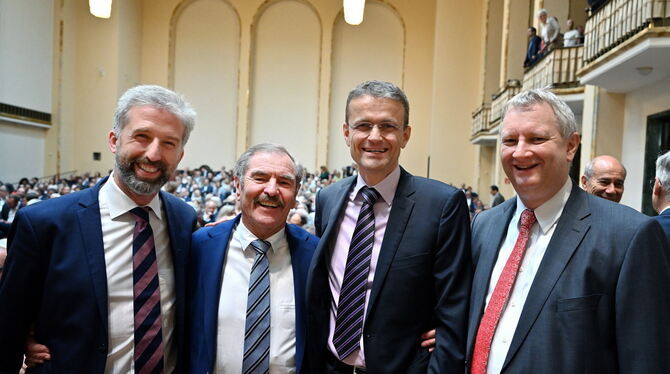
<point x="525" y="100"/>
<point x="542" y="12"/>
<point x="663" y="173"/>
<point x="157" y="97"/>
<point x="242" y="164"/>
<point x="381" y="90"/>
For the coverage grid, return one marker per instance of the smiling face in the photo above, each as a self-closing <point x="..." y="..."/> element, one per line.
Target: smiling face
<point x="375" y="135"/>
<point x="534" y="154"/>
<point x="607" y="180"/>
<point x="268" y="193"/>
<point x="148" y="150"/>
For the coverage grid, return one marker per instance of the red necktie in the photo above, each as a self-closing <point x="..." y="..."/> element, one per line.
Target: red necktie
<point x="498" y="301"/>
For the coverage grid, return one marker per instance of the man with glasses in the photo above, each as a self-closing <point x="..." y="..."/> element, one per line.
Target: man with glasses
<point x="394" y="256"/>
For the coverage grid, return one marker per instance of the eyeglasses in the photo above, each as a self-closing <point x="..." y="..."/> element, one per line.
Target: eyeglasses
<point x="384" y="128"/>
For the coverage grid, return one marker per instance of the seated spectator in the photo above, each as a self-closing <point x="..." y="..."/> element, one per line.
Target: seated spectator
<point x="209" y="214"/>
<point x="533" y="52"/>
<point x="572" y="37"/>
<point x="12" y="205"/>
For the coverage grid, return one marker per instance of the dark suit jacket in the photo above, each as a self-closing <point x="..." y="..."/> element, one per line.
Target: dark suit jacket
<point x="599" y="302"/>
<point x="664" y="220"/>
<point x="497" y="199"/>
<point x="55" y="280"/>
<point x="533" y="51"/>
<point x="422" y="279"/>
<point x="207" y="258"/>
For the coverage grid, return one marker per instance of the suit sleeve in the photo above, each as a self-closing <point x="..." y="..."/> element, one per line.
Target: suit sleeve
<point x="19" y="293"/>
<point x="643" y="303"/>
<point x="453" y="278"/>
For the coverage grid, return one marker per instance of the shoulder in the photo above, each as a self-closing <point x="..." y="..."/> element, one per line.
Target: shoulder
<point x="301" y="235"/>
<point x="172" y="202"/>
<point x="433" y="189"/>
<point x="57" y="208"/>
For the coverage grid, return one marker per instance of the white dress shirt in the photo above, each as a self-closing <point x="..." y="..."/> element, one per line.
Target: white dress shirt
<point x="547" y="216"/>
<point x="233" y="303"/>
<point x="117" y="236"/>
<point x="338" y="259"/>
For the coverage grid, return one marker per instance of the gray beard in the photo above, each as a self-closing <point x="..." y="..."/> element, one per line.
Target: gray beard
<point x="136" y="185"/>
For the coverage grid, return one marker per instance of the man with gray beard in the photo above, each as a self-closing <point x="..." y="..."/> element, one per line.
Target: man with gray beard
<point x="99" y="275"/>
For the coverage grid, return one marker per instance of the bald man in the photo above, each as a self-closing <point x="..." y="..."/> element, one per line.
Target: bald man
<point x="604" y="176"/>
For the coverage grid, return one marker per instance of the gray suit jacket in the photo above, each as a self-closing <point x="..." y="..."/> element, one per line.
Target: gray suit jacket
<point x="601" y="297"/>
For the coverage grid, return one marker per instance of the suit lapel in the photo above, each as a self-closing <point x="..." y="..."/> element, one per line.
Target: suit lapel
<point x="490" y="243"/>
<point x="570" y="230"/>
<point x="211" y="275"/>
<point x="334" y="209"/>
<point x="90" y="228"/>
<point x="395" y="228"/>
<point x="300" y="260"/>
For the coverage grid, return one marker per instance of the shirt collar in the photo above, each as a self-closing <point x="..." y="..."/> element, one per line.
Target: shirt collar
<point x="664" y="209"/>
<point x="548" y="213"/>
<point x="120" y="203"/>
<point x="245" y="237"/>
<point x="386" y="187"/>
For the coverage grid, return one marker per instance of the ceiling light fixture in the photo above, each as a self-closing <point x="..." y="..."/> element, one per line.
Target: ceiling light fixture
<point x="353" y="11"/>
<point x="100" y="8"/>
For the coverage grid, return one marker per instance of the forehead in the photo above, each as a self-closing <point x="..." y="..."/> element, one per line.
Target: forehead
<point x="369" y="106"/>
<point x="533" y="119"/>
<point x="606" y="169"/>
<point x="271" y="162"/>
<point x="147" y="115"/>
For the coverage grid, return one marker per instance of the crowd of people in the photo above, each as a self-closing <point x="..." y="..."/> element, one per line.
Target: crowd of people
<point x="550" y="37"/>
<point x="398" y="278"/>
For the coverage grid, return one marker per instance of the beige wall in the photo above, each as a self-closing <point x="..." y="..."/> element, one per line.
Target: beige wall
<point x="639" y="105"/>
<point x="206" y="72"/>
<point x="456" y="90"/>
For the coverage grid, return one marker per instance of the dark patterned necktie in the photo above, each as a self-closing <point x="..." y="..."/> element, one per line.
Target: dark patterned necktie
<point x="148" y="353"/>
<point x="351" y="305"/>
<point x="257" y="328"/>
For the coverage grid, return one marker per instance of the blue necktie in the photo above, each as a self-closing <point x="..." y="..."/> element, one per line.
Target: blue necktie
<point x="148" y="352"/>
<point x="351" y="305"/>
<point x="257" y="328"/>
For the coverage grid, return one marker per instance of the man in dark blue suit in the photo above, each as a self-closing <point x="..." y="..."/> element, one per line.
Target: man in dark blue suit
<point x="534" y="41"/>
<point x="99" y="276"/>
<point x="224" y="312"/>
<point x="660" y="197"/>
<point x="393" y="260"/>
<point x="565" y="282"/>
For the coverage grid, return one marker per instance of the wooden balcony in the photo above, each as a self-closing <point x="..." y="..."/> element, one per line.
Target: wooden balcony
<point x="501" y="97"/>
<point x="557" y="69"/>
<point x="480" y="119"/>
<point x="618" y="20"/>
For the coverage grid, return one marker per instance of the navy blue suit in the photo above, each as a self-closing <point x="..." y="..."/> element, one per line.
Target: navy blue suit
<point x="599" y="301"/>
<point x="664" y="220"/>
<point x="55" y="280"/>
<point x="422" y="280"/>
<point x="207" y="258"/>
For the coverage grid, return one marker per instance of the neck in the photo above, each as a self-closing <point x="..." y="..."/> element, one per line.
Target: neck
<point x="373" y="179"/>
<point x="140" y="200"/>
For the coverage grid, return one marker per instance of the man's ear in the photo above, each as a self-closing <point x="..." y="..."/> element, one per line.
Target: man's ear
<point x="112" y="141"/>
<point x="583" y="182"/>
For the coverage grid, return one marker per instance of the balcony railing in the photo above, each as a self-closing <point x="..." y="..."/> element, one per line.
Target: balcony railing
<point x="617" y="21"/>
<point x="480" y="119"/>
<point x="501" y="97"/>
<point x="557" y="69"/>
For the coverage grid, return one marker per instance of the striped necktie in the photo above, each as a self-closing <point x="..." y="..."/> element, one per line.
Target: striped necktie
<point x="351" y="304"/>
<point x="257" y="328"/>
<point x="148" y="353"/>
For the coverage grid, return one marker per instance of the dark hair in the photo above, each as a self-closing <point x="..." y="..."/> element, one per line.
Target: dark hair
<point x="378" y="89"/>
<point x="494" y="187"/>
